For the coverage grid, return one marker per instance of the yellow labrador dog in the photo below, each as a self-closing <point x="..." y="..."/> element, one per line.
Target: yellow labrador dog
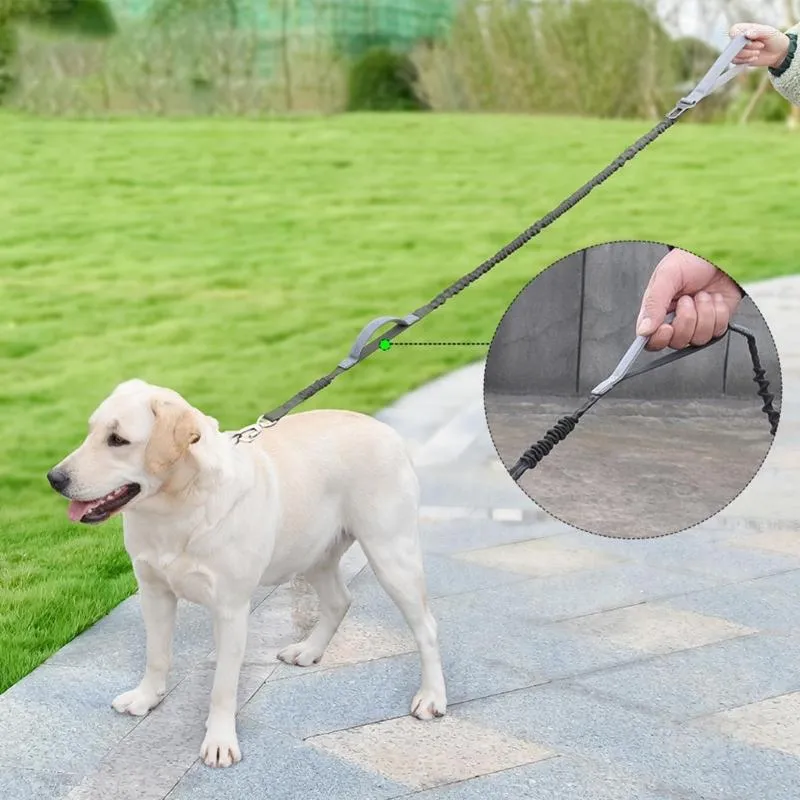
<point x="209" y="520"/>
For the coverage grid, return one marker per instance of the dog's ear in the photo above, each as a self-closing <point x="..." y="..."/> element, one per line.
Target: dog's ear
<point x="174" y="430"/>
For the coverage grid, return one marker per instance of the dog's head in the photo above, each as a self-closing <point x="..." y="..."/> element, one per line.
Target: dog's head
<point x="140" y="438"/>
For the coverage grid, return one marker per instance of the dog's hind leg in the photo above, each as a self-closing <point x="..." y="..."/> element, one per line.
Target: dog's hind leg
<point x="396" y="559"/>
<point x="334" y="601"/>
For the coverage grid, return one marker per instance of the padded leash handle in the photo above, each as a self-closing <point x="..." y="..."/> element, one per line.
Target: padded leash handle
<point x="359" y="350"/>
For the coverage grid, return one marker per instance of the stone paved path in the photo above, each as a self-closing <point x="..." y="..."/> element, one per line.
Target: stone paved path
<point x="579" y="668"/>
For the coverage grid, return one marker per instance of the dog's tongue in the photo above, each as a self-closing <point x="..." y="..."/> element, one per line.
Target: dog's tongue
<point x="77" y="508"/>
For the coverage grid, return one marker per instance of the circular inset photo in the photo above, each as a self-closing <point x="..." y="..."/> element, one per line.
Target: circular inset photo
<point x="632" y="389"/>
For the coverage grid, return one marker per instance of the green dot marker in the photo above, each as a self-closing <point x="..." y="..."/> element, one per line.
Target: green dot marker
<point x="385" y="344"/>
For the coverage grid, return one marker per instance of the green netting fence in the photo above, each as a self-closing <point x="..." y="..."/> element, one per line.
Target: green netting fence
<point x="352" y="24"/>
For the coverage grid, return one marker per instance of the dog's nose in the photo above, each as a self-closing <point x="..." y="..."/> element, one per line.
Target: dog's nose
<point x="59" y="479"/>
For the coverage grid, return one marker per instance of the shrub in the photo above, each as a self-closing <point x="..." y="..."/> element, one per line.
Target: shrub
<point x="605" y="58"/>
<point x="693" y="57"/>
<point x="383" y="80"/>
<point x="82" y="17"/>
<point x="8" y="51"/>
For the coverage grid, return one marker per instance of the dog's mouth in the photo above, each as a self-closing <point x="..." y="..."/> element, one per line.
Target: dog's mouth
<point x="94" y="511"/>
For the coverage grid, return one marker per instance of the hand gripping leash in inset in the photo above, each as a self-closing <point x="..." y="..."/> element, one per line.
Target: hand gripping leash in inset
<point x="622" y="372"/>
<point x="719" y="74"/>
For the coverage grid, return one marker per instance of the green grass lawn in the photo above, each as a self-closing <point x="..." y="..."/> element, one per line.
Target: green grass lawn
<point x="235" y="261"/>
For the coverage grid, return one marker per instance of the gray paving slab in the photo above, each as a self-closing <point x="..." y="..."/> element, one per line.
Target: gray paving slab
<point x="463" y="535"/>
<point x="759" y="603"/>
<point x="117" y="641"/>
<point x="704" y="680"/>
<point x="281" y="766"/>
<point x="60" y="721"/>
<point x="445" y="576"/>
<point x="19" y="783"/>
<point x="580" y="593"/>
<point x="312" y="703"/>
<point x="555" y="779"/>
<point x="662" y="669"/>
<point x="578" y="723"/>
<point x="684" y="552"/>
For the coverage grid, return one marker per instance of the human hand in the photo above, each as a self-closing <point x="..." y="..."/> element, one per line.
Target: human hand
<point x="703" y="298"/>
<point x="767" y="46"/>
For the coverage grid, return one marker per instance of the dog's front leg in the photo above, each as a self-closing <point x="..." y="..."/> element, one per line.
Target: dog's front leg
<point x="158" y="609"/>
<point x="221" y="746"/>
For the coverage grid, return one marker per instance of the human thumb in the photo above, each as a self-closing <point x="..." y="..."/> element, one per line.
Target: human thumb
<point x="651" y="314"/>
<point x="665" y="285"/>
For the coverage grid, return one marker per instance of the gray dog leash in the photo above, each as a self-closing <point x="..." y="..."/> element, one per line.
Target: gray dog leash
<point x="365" y="345"/>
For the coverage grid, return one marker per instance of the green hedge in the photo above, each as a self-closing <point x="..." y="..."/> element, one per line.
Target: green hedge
<point x="383" y="80"/>
<point x="8" y="50"/>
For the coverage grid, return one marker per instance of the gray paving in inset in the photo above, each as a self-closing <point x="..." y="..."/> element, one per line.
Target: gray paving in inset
<point x="633" y="469"/>
<point x="660" y="670"/>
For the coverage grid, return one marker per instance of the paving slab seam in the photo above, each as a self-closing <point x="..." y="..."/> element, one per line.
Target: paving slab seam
<point x="561" y="680"/>
<point x="632" y="705"/>
<point x="555" y="622"/>
<point x="701" y="717"/>
<point x="601" y="764"/>
<point x="264" y="599"/>
<point x="174" y="786"/>
<point x="723" y="582"/>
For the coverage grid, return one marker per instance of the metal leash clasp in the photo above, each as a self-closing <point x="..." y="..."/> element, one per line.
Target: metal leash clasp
<point x="252" y="432"/>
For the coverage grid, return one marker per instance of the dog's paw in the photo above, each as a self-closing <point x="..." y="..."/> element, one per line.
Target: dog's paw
<point x="428" y="704"/>
<point x="300" y="654"/>
<point x="137" y="701"/>
<point x="220" y="748"/>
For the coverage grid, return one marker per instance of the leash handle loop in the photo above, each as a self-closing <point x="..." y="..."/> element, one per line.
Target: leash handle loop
<point x="368" y="331"/>
<point x="717" y="76"/>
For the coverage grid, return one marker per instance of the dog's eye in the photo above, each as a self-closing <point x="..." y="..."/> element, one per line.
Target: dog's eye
<point x="116" y="441"/>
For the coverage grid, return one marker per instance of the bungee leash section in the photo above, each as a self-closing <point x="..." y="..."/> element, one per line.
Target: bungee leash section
<point x="622" y="372"/>
<point x="364" y="346"/>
